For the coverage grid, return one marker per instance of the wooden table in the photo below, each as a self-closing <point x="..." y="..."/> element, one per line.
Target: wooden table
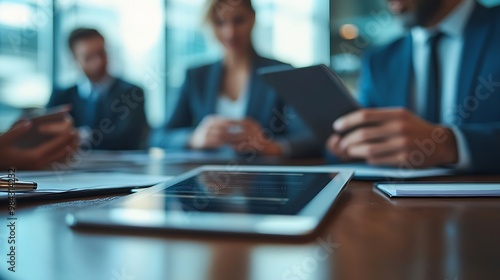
<point x="368" y="236"/>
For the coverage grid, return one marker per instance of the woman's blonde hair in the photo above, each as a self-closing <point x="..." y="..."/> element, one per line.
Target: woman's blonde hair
<point x="216" y="8"/>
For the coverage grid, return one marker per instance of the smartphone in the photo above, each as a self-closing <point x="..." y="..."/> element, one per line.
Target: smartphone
<point x="33" y="137"/>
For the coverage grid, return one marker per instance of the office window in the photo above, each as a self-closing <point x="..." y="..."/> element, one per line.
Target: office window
<point x="25" y="52"/>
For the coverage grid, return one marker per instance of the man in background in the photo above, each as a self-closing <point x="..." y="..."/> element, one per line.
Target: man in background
<point x="108" y="112"/>
<point x="436" y="92"/>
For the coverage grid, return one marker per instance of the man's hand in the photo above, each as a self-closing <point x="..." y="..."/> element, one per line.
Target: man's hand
<point x="63" y="144"/>
<point x="392" y="137"/>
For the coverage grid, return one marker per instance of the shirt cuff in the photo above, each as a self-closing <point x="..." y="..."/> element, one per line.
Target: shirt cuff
<point x="464" y="158"/>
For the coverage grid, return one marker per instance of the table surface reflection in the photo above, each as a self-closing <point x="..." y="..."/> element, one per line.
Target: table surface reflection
<point x="367" y="236"/>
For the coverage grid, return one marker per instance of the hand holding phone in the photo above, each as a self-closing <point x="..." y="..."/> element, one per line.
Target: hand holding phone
<point x="45" y="125"/>
<point x="38" y="141"/>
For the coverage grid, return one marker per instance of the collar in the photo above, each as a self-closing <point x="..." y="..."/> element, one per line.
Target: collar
<point x="86" y="87"/>
<point x="452" y="25"/>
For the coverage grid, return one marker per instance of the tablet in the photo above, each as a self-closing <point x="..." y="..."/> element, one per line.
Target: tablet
<point x="316" y="93"/>
<point x="267" y="200"/>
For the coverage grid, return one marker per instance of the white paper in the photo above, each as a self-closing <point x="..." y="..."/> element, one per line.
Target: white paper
<point x="51" y="182"/>
<point x="93" y="180"/>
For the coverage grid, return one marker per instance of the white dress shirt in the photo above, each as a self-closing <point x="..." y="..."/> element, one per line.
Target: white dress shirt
<point x="450" y="51"/>
<point x="87" y="89"/>
<point x="232" y="109"/>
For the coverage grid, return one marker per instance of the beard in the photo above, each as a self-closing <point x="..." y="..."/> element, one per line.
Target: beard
<point x="423" y="12"/>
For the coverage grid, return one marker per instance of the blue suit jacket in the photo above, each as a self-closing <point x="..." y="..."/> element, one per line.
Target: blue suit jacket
<point x="198" y="99"/>
<point x="386" y="80"/>
<point x="123" y="106"/>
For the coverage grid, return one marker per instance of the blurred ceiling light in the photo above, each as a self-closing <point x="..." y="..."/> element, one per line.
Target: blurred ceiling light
<point x="15" y="15"/>
<point x="349" y="31"/>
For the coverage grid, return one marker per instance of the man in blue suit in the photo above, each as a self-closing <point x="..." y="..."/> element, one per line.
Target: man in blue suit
<point x="434" y="94"/>
<point x="108" y="111"/>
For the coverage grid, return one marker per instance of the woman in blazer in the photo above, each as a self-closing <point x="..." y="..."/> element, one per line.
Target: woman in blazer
<point x="227" y="104"/>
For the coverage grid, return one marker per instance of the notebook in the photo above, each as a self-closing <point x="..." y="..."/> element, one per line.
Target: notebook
<point x="367" y="172"/>
<point x="425" y="189"/>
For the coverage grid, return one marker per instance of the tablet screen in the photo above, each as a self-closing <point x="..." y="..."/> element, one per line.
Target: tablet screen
<point x="241" y="192"/>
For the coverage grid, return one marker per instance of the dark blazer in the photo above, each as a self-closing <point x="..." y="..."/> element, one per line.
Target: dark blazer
<point x="198" y="99"/>
<point x="386" y="78"/>
<point x="120" y="122"/>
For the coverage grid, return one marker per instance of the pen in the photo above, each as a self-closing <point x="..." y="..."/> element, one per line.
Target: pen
<point x="17" y="186"/>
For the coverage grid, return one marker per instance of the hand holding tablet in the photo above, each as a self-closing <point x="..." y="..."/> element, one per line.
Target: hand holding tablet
<point x="316" y="93"/>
